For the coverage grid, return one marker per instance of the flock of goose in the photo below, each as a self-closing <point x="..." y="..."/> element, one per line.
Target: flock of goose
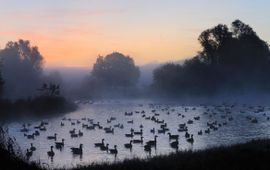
<point x="136" y="137"/>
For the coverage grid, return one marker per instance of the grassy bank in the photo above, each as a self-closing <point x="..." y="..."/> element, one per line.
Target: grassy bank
<point x="38" y="106"/>
<point x="249" y="156"/>
<point x="11" y="156"/>
<point x="254" y="155"/>
<point x="11" y="162"/>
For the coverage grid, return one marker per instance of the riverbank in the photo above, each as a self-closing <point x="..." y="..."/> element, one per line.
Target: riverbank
<point x="248" y="156"/>
<point x="41" y="106"/>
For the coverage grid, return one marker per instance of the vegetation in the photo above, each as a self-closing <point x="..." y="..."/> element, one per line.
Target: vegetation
<point x="113" y="74"/>
<point x="40" y="106"/>
<point x="9" y="154"/>
<point x="252" y="155"/>
<point x="21" y="69"/>
<point x="231" y="60"/>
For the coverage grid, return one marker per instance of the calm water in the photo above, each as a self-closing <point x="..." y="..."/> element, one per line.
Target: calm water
<point x="238" y="129"/>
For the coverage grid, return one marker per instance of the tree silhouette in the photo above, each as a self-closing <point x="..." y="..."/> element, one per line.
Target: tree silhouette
<point x="50" y="89"/>
<point x="114" y="71"/>
<point x="22" y="68"/>
<point x="232" y="59"/>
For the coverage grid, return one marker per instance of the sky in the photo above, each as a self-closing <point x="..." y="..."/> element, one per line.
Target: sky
<point x="72" y="33"/>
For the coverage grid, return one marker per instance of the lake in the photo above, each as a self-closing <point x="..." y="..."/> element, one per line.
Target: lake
<point x="227" y="124"/>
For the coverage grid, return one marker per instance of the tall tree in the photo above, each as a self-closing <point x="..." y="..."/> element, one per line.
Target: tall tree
<point x="22" y="68"/>
<point x="113" y="72"/>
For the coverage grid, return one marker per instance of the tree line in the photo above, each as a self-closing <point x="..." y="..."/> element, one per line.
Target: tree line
<point x="233" y="59"/>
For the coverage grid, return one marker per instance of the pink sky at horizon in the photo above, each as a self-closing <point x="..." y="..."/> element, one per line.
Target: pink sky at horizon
<point x="73" y="33"/>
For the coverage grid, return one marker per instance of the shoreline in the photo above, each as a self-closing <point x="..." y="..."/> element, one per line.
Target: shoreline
<point x="250" y="155"/>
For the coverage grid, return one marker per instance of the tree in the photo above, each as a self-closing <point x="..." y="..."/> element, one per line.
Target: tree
<point x="234" y="59"/>
<point x="114" y="71"/>
<point x="238" y="46"/>
<point x="1" y="85"/>
<point x="22" y="68"/>
<point x="213" y="42"/>
<point x="166" y="77"/>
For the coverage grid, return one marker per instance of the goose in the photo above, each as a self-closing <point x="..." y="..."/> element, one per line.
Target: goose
<point x="74" y="135"/>
<point x="59" y="145"/>
<point x="131" y="134"/>
<point x="111" y="130"/>
<point x="51" y="152"/>
<point x="190" y="140"/>
<point x="84" y="125"/>
<point x="200" y="132"/>
<point x="152" y="130"/>
<point x="130" y="121"/>
<point x="187" y="135"/>
<point x="90" y="127"/>
<point x="72" y="131"/>
<point x="36" y="133"/>
<point x="139" y="133"/>
<point x="147" y="148"/>
<point x="32" y="148"/>
<point x="175" y="144"/>
<point x="104" y="148"/>
<point x="128" y="145"/>
<point x="207" y="131"/>
<point x="24" y="130"/>
<point x="80" y="133"/>
<point x="141" y="126"/>
<point x="254" y="120"/>
<point x="62" y="124"/>
<point x="114" y="151"/>
<point x="152" y="142"/>
<point x="163" y="126"/>
<point x="100" y="144"/>
<point x="161" y="131"/>
<point x="197" y="118"/>
<point x="113" y="118"/>
<point x="138" y="140"/>
<point x="173" y="136"/>
<point x="190" y="121"/>
<point x="96" y="124"/>
<point x="77" y="151"/>
<point x="30" y="136"/>
<point x="52" y="137"/>
<point x="28" y="153"/>
<point x="42" y="128"/>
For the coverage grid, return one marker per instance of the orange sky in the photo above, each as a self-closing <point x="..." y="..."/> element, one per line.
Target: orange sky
<point x="74" y="32"/>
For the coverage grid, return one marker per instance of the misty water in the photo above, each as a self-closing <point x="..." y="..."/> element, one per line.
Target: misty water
<point x="234" y="125"/>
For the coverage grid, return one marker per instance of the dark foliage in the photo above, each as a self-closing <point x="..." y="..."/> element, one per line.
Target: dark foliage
<point x="234" y="60"/>
<point x="42" y="106"/>
<point x="21" y="69"/>
<point x="9" y="155"/>
<point x="112" y="74"/>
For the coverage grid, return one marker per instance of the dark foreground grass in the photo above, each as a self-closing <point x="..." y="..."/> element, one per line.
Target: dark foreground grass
<point x="11" y="162"/>
<point x="254" y="155"/>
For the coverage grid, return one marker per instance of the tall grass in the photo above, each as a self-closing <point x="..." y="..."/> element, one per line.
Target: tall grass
<point x="11" y="158"/>
<point x="253" y="155"/>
